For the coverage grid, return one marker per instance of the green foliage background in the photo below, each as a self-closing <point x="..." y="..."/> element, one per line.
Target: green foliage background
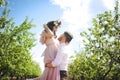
<point x="101" y="58"/>
<point x="16" y="42"/>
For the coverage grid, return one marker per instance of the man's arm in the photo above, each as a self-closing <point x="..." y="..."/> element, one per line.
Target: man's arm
<point x="56" y="62"/>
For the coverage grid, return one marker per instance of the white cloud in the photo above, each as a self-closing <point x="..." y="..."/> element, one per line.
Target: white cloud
<point x="75" y="13"/>
<point x="110" y="4"/>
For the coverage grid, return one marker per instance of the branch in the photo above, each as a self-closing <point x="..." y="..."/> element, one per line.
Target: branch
<point x="110" y="67"/>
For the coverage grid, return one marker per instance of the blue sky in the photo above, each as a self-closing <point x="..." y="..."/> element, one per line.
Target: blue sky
<point x="76" y="16"/>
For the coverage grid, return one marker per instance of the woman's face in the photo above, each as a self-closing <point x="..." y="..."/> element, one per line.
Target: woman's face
<point x="55" y="28"/>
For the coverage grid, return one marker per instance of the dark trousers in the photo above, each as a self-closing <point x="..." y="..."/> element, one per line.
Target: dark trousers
<point x="63" y="75"/>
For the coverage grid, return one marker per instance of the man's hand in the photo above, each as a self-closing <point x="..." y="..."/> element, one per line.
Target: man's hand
<point x="49" y="65"/>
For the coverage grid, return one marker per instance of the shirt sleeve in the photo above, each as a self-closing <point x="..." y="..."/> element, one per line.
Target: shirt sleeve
<point x="59" y="57"/>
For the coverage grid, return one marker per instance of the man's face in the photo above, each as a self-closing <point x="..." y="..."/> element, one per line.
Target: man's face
<point x="62" y="38"/>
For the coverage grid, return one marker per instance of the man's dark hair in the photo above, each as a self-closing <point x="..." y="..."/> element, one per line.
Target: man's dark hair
<point x="68" y="36"/>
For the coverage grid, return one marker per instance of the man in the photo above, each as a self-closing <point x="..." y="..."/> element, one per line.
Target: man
<point x="62" y="55"/>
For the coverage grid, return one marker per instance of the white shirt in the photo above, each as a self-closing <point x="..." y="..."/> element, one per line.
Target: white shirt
<point x="61" y="57"/>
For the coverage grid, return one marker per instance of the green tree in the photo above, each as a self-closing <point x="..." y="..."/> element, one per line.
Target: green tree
<point x="101" y="60"/>
<point x="2" y="2"/>
<point x="16" y="42"/>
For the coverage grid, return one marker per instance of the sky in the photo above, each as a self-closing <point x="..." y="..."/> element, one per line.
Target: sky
<point x="76" y="16"/>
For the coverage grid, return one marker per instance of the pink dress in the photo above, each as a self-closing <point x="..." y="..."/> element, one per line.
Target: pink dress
<point x="49" y="55"/>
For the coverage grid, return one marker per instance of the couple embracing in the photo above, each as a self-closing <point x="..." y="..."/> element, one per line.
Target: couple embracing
<point x="56" y="52"/>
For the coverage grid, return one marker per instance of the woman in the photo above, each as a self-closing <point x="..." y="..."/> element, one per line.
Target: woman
<point x="48" y="38"/>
